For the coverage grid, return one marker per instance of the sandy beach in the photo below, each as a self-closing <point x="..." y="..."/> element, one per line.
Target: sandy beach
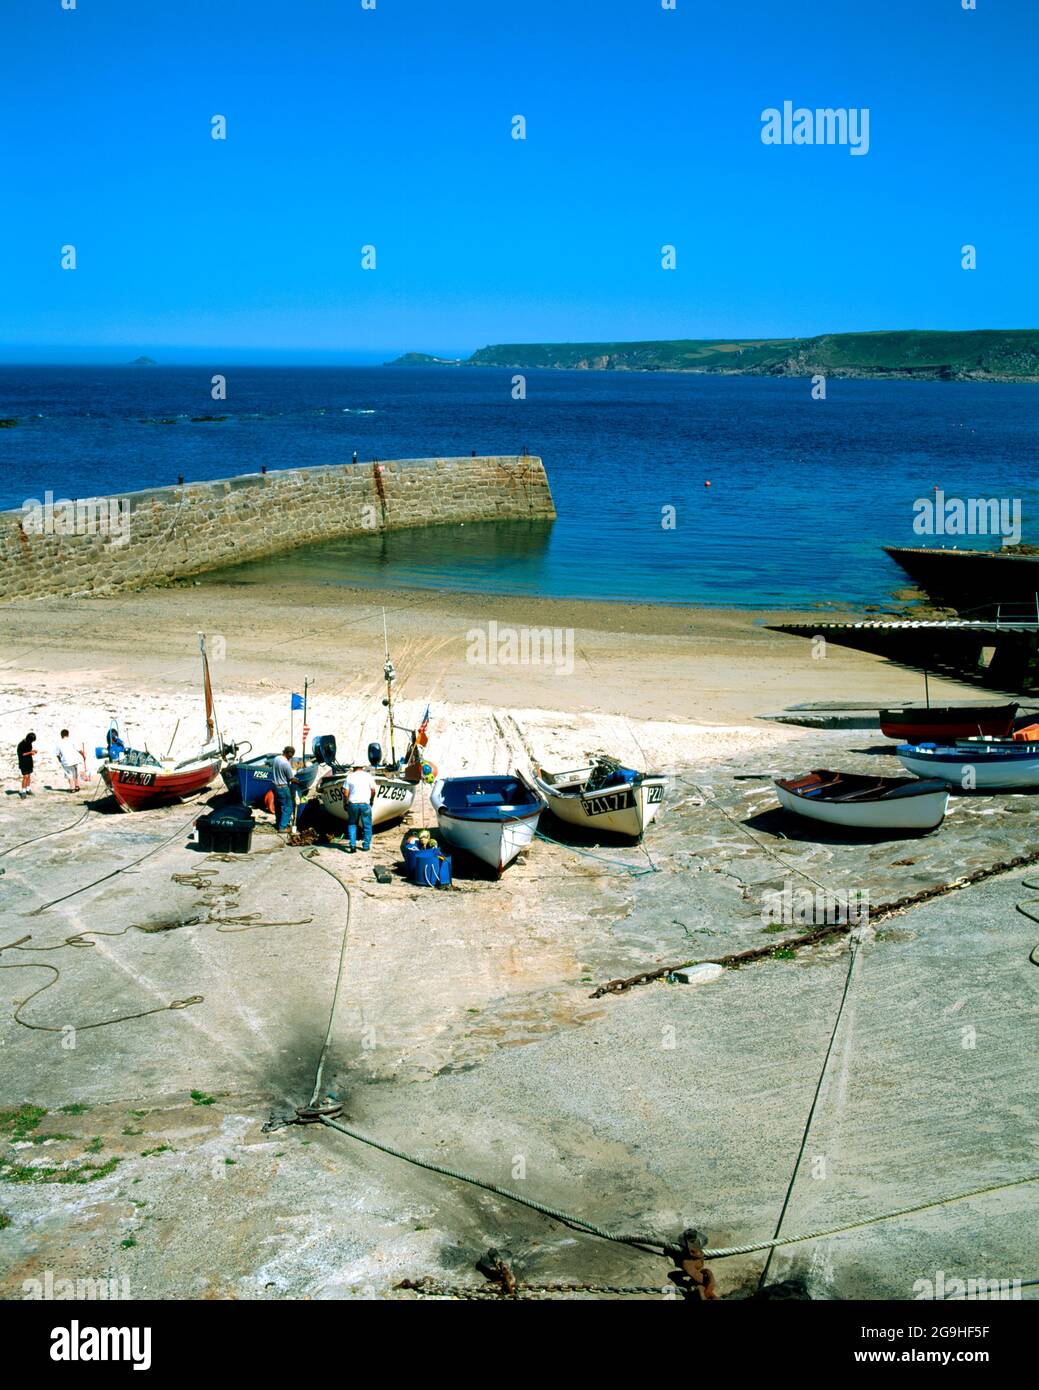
<point x="466" y="1031"/>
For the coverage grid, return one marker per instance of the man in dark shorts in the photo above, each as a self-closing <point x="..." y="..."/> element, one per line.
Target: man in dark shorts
<point x="26" y="753"/>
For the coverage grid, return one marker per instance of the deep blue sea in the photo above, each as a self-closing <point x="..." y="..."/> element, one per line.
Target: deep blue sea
<point x="802" y="493"/>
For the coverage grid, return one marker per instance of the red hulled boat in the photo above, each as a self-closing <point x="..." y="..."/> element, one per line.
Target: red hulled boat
<point x="942" y="723"/>
<point x="138" y="780"/>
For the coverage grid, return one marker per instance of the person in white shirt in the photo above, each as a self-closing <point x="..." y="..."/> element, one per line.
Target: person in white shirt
<point x="68" y="760"/>
<point x="359" y="794"/>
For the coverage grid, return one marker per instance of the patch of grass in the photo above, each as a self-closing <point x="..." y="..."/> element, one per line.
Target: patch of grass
<point x="784" y="953"/>
<point x="162" y="1149"/>
<point x="74" y="1109"/>
<point x="137" y="1114"/>
<point x="5" y="1221"/>
<point x="200" y="1098"/>
<point x="774" y="927"/>
<point x="230" y="1162"/>
<point x="96" y="1145"/>
<point x="128" y="1243"/>
<point x="19" y="1124"/>
<point x="42" y="1138"/>
<point x="128" y="1131"/>
<point x="43" y="1173"/>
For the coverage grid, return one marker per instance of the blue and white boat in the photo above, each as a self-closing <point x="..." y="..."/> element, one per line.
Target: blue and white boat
<point x="985" y="764"/>
<point x="250" y="778"/>
<point x="491" y="817"/>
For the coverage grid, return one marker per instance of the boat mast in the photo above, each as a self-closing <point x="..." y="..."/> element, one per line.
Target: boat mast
<point x="389" y="675"/>
<point x="212" y="727"/>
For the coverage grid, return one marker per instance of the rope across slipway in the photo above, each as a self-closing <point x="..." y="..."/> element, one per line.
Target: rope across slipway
<point x="648" y="1244"/>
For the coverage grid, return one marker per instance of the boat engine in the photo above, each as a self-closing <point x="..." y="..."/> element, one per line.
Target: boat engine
<point x="374" y="754"/>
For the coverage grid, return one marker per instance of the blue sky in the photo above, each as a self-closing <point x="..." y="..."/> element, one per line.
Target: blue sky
<point x="391" y="127"/>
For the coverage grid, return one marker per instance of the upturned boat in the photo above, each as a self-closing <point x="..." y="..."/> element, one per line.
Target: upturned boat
<point x="139" y="780"/>
<point x="986" y="764"/>
<point x="491" y="817"/>
<point x="942" y="723"/>
<point x="858" y="802"/>
<point x="603" y="796"/>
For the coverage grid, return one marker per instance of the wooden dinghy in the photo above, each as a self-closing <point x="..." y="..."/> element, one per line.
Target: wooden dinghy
<point x="983" y="764"/>
<point x="859" y="802"/>
<point x="603" y="796"/>
<point x="491" y="817"/>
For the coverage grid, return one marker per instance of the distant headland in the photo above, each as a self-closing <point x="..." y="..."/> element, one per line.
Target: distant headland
<point x="913" y="354"/>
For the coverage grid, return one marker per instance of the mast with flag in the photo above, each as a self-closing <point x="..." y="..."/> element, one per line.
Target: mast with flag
<point x="294" y="704"/>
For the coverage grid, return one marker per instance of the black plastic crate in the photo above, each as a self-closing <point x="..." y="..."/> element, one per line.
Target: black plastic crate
<point x="229" y="831"/>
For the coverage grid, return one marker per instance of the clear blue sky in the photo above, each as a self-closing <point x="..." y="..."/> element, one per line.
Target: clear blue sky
<point x="392" y="127"/>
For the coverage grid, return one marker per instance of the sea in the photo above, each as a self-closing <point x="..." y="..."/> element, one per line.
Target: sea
<point x="670" y="488"/>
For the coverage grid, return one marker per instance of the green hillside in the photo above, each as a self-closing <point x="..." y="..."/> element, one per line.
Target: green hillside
<point x="973" y="355"/>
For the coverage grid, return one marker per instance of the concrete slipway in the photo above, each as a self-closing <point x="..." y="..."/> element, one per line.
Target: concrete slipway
<point x="465" y="1033"/>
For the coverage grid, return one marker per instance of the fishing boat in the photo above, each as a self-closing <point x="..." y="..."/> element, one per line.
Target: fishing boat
<point x="396" y="780"/>
<point x="251" y="779"/>
<point x="915" y="723"/>
<point x="985" y="764"/>
<point x="139" y="780"/>
<point x="858" y="802"/>
<point x="603" y="796"/>
<point x="491" y="817"/>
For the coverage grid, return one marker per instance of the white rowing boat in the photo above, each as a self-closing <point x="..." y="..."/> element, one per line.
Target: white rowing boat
<point x="857" y="802"/>
<point x="491" y="817"/>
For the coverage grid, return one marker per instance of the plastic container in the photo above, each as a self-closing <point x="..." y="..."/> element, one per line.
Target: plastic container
<point x="430" y="869"/>
<point x="227" y="831"/>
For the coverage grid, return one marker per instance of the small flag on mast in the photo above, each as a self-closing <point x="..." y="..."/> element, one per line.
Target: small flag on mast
<point x="297" y="701"/>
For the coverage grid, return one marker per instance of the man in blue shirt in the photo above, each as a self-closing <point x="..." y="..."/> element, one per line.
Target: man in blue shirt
<point x="281" y="782"/>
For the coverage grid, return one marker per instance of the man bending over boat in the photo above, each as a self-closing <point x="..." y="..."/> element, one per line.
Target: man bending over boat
<point x="282" y="778"/>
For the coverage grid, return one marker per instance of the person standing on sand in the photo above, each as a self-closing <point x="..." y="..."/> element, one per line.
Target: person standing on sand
<point x="26" y="753"/>
<point x="359" y="794"/>
<point x="68" y="760"/>
<point x="281" y="782"/>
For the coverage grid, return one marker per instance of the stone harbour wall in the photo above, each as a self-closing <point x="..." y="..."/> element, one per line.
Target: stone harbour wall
<point x="102" y="545"/>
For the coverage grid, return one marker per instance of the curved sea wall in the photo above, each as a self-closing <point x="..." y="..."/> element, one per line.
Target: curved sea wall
<point x="58" y="546"/>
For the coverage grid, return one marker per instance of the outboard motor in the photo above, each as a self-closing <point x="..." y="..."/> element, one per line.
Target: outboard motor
<point x="324" y="747"/>
<point x="374" y="754"/>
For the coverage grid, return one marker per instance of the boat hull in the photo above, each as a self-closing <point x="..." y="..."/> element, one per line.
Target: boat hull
<point x="140" y="788"/>
<point x="394" y="797"/>
<point x="494" y="838"/>
<point x="621" y="810"/>
<point x="918" y="724"/>
<point x="969" y="770"/>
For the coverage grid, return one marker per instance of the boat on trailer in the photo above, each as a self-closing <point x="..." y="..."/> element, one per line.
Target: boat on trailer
<point x="975" y="764"/>
<point x="603" y="796"/>
<point x="858" y="802"/>
<point x="942" y="723"/>
<point x="491" y="817"/>
<point x="139" y="780"/>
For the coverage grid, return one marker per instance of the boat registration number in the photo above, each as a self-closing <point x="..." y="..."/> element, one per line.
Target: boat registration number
<point x="393" y="793"/>
<point x="137" y="779"/>
<point x="610" y="801"/>
<point x="656" y="793"/>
